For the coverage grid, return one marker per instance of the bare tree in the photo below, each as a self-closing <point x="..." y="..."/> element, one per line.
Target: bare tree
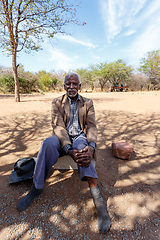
<point x="25" y="23"/>
<point x="138" y="82"/>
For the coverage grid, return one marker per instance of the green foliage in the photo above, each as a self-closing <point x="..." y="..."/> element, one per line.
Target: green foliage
<point x="115" y="72"/>
<point x="7" y="84"/>
<point x="24" y="24"/>
<point x="28" y="81"/>
<point x="102" y="72"/>
<point x="119" y="72"/>
<point x="87" y="77"/>
<point x="47" y="81"/>
<point x="150" y="66"/>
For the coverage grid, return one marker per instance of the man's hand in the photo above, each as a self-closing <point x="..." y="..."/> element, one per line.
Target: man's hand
<point x="82" y="157"/>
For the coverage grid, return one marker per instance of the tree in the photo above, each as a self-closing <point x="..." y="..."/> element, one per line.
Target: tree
<point x="102" y="72"/>
<point x="119" y="72"/>
<point x="27" y="80"/>
<point x="59" y="75"/>
<point x="47" y="80"/>
<point x="138" y="81"/>
<point x="115" y="72"/>
<point x="25" y="23"/>
<point x="87" y="77"/>
<point x="150" y="65"/>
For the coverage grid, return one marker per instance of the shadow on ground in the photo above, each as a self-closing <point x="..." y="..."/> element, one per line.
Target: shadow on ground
<point x="65" y="210"/>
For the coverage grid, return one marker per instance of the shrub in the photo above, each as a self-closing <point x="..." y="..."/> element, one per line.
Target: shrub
<point x="7" y="83"/>
<point x="47" y="81"/>
<point x="25" y="85"/>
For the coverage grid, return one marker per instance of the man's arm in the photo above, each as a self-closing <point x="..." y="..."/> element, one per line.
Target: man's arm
<point x="91" y="128"/>
<point x="58" y="123"/>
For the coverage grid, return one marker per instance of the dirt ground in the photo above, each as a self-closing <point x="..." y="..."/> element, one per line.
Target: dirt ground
<point x="65" y="210"/>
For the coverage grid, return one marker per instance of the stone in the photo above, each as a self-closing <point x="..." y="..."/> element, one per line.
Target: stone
<point x="122" y="150"/>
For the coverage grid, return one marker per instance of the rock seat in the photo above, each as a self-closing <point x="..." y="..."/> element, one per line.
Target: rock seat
<point x="66" y="162"/>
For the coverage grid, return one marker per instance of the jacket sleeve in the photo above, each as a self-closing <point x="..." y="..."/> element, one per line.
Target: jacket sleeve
<point x="58" y="124"/>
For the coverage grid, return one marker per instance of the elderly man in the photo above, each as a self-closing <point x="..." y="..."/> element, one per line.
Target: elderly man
<point x="75" y="133"/>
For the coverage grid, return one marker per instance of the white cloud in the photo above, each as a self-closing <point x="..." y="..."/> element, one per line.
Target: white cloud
<point x="61" y="60"/>
<point x="74" y="40"/>
<point x="150" y="11"/>
<point x="146" y="41"/>
<point x="126" y="18"/>
<point x="118" y="14"/>
<point x="129" y="33"/>
<point x="97" y="57"/>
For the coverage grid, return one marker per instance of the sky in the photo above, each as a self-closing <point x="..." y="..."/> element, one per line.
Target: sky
<point x="115" y="29"/>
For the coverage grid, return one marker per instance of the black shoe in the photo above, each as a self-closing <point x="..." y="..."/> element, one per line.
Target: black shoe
<point x="26" y="201"/>
<point x="104" y="223"/>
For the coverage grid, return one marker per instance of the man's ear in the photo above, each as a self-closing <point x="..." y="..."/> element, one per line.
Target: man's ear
<point x="79" y="86"/>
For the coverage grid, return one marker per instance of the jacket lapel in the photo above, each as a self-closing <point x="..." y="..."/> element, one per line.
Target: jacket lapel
<point x="81" y="111"/>
<point x="66" y="107"/>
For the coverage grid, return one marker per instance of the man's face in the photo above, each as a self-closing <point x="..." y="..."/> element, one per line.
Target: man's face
<point x="72" y="86"/>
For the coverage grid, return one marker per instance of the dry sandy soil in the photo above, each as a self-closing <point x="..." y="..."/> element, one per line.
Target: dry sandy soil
<point x="65" y="210"/>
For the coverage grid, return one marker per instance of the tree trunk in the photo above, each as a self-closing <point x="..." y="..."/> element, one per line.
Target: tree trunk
<point x="15" y="74"/>
<point x="102" y="87"/>
<point x="92" y="86"/>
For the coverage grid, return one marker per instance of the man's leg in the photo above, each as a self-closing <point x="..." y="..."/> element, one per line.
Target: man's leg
<point x="47" y="157"/>
<point x="89" y="174"/>
<point x="80" y="143"/>
<point x="103" y="219"/>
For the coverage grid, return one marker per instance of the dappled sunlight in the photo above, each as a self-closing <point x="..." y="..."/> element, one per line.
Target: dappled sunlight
<point x="118" y="126"/>
<point x="131" y="186"/>
<point x="23" y="133"/>
<point x="145" y="178"/>
<point x="11" y="233"/>
<point x="70" y="210"/>
<point x="83" y="191"/>
<point x="71" y="218"/>
<point x="58" y="176"/>
<point x="55" y="219"/>
<point x="65" y="210"/>
<point x="5" y="173"/>
<point x="127" y="208"/>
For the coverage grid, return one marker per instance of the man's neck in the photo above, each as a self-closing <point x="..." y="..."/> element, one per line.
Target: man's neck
<point x="73" y="98"/>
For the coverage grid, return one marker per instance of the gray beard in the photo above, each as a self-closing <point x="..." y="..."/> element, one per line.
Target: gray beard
<point x="72" y="95"/>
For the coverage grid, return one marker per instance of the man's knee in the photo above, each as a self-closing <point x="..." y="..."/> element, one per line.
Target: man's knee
<point x="51" y="142"/>
<point x="47" y="142"/>
<point x="80" y="143"/>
